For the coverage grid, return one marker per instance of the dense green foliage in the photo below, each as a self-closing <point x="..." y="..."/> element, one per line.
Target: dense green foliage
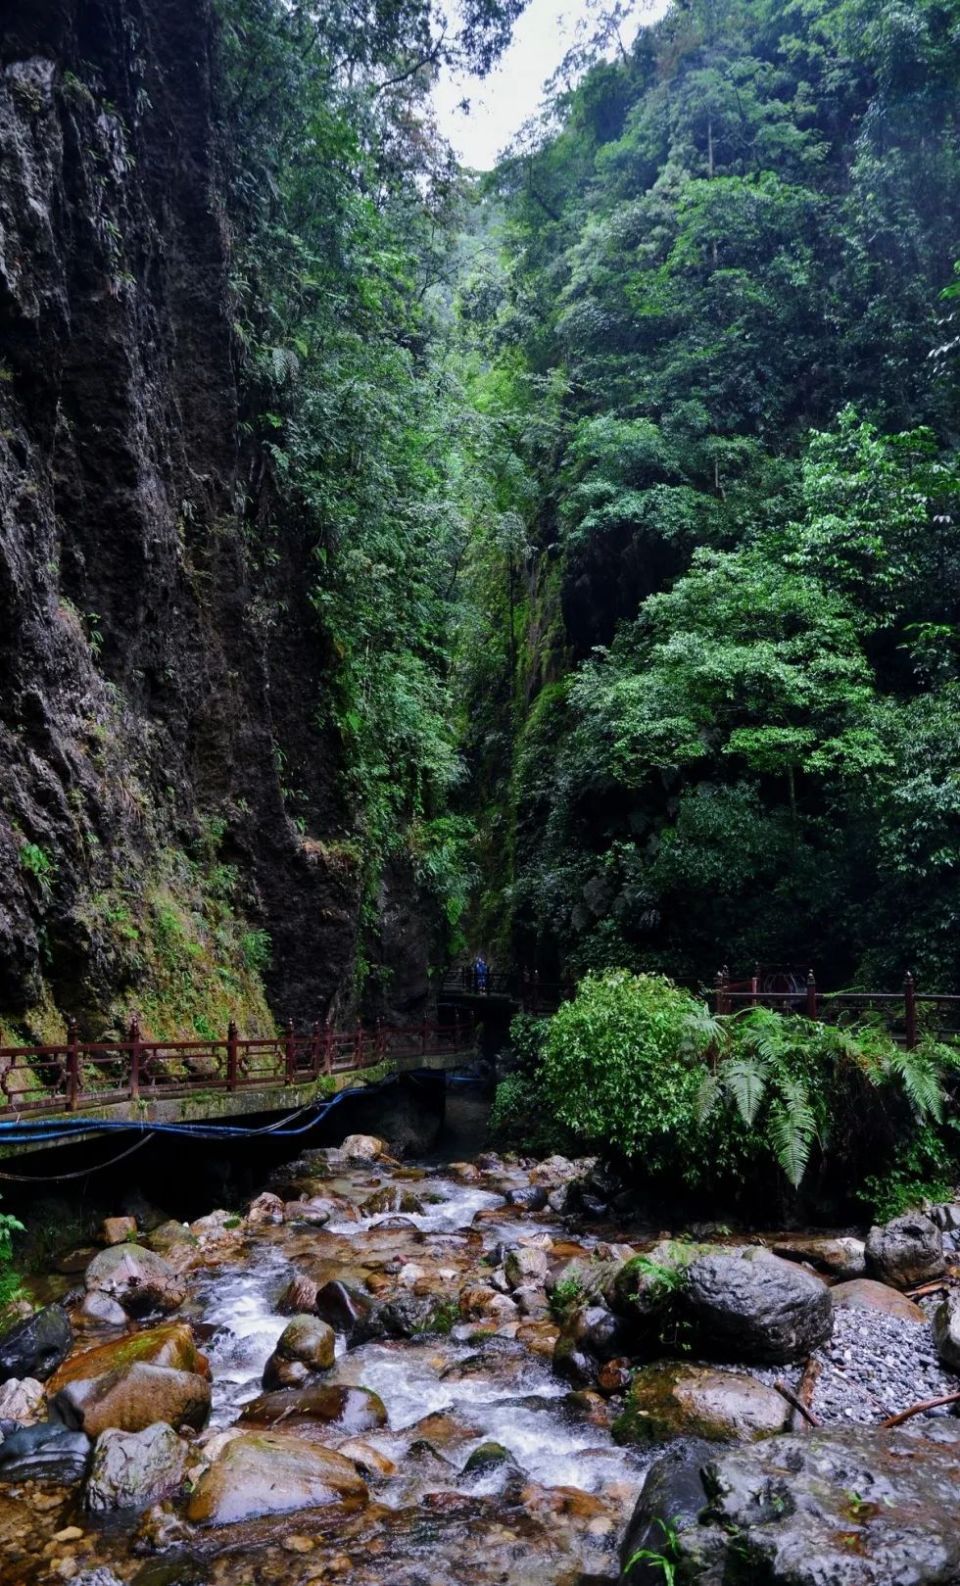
<point x="752" y="1103"/>
<point x="627" y="473"/>
<point x="717" y="718"/>
<point x="756" y="1099"/>
<point x="342" y="204"/>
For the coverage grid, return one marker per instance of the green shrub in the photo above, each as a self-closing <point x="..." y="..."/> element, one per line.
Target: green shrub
<point x="623" y="1064"/>
<point x="634" y="1065"/>
<point x="9" y="1279"/>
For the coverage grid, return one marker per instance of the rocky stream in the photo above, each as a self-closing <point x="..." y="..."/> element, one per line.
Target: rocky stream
<point x="486" y="1371"/>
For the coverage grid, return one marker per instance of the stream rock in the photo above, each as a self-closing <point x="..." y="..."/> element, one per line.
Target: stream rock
<point x="22" y="1401"/>
<point x="137" y="1279"/>
<point x="362" y="1148"/>
<point x="49" y="1452"/>
<point x="117" y="1230"/>
<point x="673" y="1399"/>
<point x="746" y="1304"/>
<point x="268" y="1473"/>
<point x="850" y="1507"/>
<point x="170" y="1345"/>
<point x="906" y="1251"/>
<point x="299" y="1296"/>
<point x="133" y="1469"/>
<point x="133" y="1398"/>
<point x="524" y="1266"/>
<point x="306" y="1346"/>
<point x="868" y="1295"/>
<point x="266" y="1209"/>
<point x="354" y="1410"/>
<point x="345" y="1307"/>
<point x="946" y="1331"/>
<point x="840" y="1256"/>
<point x="36" y="1346"/>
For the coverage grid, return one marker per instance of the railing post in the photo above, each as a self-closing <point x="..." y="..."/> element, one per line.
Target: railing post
<point x="456" y="1029"/>
<point x="136" y="1049"/>
<point x="811" y="995"/>
<point x="358" y="1047"/>
<point x="73" y="1065"/>
<point x="316" y="1049"/>
<point x="381" y="1041"/>
<point x="910" y="1009"/>
<point x="754" y="985"/>
<point x="290" y="1053"/>
<point x="233" y="1056"/>
<point x="328" y="1050"/>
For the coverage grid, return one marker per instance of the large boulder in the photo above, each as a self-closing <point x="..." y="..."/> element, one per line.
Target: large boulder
<point x="49" y="1452"/>
<point x="268" y="1473"/>
<point x="351" y="1410"/>
<point x="746" y="1304"/>
<point x="36" y="1346"/>
<point x="674" y="1399"/>
<point x="867" y="1295"/>
<point x="169" y="1345"/>
<point x="946" y="1331"/>
<point x="132" y="1469"/>
<point x="133" y="1398"/>
<point x="906" y="1251"/>
<point x="137" y="1279"/>
<point x="840" y="1507"/>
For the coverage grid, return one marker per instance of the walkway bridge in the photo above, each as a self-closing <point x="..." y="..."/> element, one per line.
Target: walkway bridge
<point x="48" y="1093"/>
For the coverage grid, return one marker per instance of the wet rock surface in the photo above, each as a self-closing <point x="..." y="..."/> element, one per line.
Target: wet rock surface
<point x="37" y="1345"/>
<point x="749" y="1305"/>
<point x="851" y="1507"/>
<point x="130" y="1470"/>
<point x="409" y="1397"/>
<point x="905" y="1251"/>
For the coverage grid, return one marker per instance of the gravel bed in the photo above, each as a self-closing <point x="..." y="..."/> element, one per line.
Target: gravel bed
<point x="874" y="1365"/>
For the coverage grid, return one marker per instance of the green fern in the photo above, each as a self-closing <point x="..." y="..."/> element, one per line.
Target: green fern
<point x="793" y="1128"/>
<point x="746" y="1080"/>
<point x="920" y="1077"/>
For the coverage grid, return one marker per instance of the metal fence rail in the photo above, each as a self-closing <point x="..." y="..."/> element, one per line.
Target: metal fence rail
<point x="78" y="1074"/>
<point x="908" y="1013"/>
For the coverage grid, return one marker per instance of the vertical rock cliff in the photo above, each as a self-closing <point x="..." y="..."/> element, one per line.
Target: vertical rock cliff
<point x="158" y="685"/>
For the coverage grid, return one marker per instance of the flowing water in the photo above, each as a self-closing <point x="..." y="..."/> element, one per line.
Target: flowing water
<point x="549" y="1515"/>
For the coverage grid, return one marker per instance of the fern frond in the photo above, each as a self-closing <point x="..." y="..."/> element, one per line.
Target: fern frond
<point x="707" y="1095"/>
<point x="745" y="1078"/>
<point x="793" y="1128"/>
<point x="920" y="1078"/>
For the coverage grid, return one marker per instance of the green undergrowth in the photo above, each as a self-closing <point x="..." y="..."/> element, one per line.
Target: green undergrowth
<point x="759" y="1108"/>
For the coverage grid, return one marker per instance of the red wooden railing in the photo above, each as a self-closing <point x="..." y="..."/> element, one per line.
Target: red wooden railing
<point x="905" y="1012"/>
<point x="78" y="1074"/>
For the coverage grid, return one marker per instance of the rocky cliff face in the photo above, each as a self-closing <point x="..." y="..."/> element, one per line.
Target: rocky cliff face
<point x="157" y="684"/>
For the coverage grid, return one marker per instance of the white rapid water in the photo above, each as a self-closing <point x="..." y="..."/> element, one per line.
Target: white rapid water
<point x="510" y="1398"/>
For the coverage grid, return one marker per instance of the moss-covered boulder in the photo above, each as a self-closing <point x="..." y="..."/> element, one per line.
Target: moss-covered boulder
<point x="170" y="1345"/>
<point x="674" y="1399"/>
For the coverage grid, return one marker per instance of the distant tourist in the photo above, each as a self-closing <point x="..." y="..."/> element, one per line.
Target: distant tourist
<point x="481" y="974"/>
